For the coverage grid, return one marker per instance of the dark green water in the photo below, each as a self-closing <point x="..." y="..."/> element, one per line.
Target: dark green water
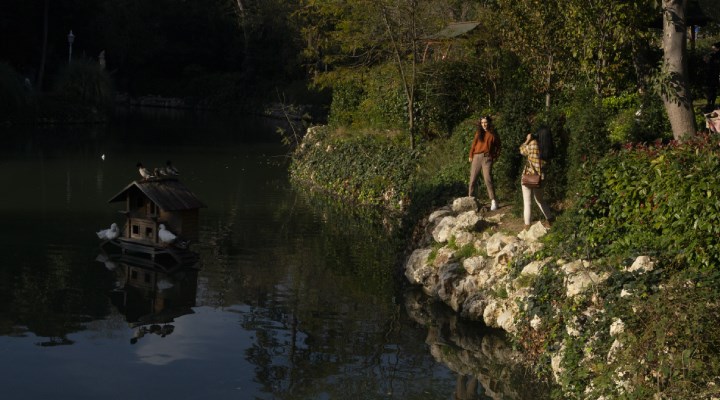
<point x="295" y="298"/>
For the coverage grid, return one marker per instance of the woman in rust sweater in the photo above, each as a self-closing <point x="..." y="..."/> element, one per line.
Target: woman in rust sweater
<point x="484" y="150"/>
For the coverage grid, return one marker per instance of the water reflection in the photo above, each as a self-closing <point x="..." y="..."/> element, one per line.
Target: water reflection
<point x="149" y="297"/>
<point x="296" y="299"/>
<point x="484" y="361"/>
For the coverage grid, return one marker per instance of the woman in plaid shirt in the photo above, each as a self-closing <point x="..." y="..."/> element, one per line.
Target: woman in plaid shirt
<point x="537" y="148"/>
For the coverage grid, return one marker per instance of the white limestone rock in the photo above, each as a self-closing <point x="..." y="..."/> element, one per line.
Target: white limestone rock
<point x="556" y="360"/>
<point x="463" y="204"/>
<point x="534" y="233"/>
<point x="441" y="233"/>
<point x="536" y="322"/>
<point x="473" y="265"/>
<point x="467" y="220"/>
<point x="416" y="267"/>
<point x="642" y="264"/>
<point x="444" y="256"/>
<point x="617" y="328"/>
<point x="579" y="277"/>
<point x="439" y="213"/>
<point x="506" y="320"/>
<point x="496" y="243"/>
<point x="533" y="268"/>
<point x="508" y="252"/>
<point x="463" y="238"/>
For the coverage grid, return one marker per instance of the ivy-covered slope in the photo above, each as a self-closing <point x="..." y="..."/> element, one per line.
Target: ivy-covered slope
<point x="650" y="335"/>
<point x="372" y="170"/>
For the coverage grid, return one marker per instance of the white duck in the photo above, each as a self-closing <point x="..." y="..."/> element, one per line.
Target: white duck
<point x="144" y="172"/>
<point x="165" y="235"/>
<point x="109" y="234"/>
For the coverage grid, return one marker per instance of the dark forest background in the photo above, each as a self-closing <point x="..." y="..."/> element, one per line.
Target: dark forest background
<point x="220" y="50"/>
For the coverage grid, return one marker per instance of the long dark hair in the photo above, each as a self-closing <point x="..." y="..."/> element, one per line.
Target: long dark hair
<point x="480" y="127"/>
<point x="545" y="142"/>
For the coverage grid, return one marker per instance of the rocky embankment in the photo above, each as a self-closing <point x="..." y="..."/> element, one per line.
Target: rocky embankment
<point x="468" y="259"/>
<point x="479" y="287"/>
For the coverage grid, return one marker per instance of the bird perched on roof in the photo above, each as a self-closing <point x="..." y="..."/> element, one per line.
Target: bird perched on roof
<point x="109" y="234"/>
<point x="170" y="169"/>
<point x="165" y="235"/>
<point x="144" y="172"/>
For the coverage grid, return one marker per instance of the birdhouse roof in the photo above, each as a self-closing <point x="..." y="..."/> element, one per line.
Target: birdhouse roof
<point x="453" y="30"/>
<point x="168" y="193"/>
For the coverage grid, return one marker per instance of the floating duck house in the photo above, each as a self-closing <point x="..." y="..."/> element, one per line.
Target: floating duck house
<point x="155" y="201"/>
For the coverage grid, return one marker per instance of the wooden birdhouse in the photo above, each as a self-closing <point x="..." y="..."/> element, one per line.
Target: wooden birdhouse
<point x="152" y="202"/>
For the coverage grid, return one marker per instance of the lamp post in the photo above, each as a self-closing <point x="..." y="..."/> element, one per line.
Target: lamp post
<point x="71" y="39"/>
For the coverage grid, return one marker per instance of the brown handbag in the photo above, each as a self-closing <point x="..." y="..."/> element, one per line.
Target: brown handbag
<point x="531" y="180"/>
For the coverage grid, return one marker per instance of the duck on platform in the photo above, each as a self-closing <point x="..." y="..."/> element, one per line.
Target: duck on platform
<point x="165" y="235"/>
<point x="144" y="172"/>
<point x="168" y="237"/>
<point x="109" y="234"/>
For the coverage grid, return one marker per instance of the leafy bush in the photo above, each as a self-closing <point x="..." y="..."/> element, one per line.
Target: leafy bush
<point x="587" y="135"/>
<point x="634" y="118"/>
<point x="372" y="101"/>
<point x="345" y="100"/>
<point x="448" y="92"/>
<point x="83" y="83"/>
<point x="651" y="200"/>
<point x="14" y="98"/>
<point x="374" y="170"/>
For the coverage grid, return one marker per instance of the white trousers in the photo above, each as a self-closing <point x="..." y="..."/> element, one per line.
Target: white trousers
<point x="537" y="193"/>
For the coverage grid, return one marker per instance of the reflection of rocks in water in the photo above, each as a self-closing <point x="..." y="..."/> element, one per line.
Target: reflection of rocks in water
<point x="487" y="367"/>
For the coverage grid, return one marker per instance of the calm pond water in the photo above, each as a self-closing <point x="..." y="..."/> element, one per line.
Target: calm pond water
<point x="294" y="299"/>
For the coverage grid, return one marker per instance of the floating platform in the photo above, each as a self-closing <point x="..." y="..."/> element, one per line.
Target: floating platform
<point x="166" y="259"/>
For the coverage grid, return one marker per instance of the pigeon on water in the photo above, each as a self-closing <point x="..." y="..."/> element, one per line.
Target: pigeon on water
<point x="144" y="172"/>
<point x="165" y="235"/>
<point x="109" y="234"/>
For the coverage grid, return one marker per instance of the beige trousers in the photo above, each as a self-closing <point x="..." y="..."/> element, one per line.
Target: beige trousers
<point x="481" y="162"/>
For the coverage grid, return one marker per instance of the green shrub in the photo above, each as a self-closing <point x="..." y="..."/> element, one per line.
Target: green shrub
<point x="14" y="98"/>
<point x="384" y="105"/>
<point x="652" y="200"/>
<point x="635" y="118"/>
<point x="346" y="98"/>
<point x="586" y="125"/>
<point x="83" y="83"/>
<point x="674" y="332"/>
<point x="448" y="92"/>
<point x="374" y="170"/>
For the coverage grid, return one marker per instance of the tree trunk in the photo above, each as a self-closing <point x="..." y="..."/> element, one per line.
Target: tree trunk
<point x="408" y="78"/>
<point x="41" y="73"/>
<point x="676" y="92"/>
<point x="549" y="83"/>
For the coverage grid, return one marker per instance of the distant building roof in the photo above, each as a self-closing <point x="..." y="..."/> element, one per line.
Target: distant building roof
<point x="168" y="193"/>
<point x="453" y="30"/>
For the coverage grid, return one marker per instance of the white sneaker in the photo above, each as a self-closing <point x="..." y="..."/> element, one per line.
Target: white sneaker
<point x="493" y="206"/>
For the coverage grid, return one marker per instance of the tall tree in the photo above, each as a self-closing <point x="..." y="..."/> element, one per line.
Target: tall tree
<point x="602" y="35"/>
<point x="675" y="88"/>
<point x="366" y="33"/>
<point x="533" y="30"/>
<point x="43" y="57"/>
